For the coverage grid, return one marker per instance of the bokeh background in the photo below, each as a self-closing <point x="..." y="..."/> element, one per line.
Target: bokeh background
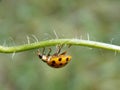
<point x="90" y="68"/>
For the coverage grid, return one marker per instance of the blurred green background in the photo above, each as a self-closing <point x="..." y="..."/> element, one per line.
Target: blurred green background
<point x="90" y="69"/>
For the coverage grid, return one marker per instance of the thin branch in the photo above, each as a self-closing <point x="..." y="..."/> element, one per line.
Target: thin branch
<point x="54" y="42"/>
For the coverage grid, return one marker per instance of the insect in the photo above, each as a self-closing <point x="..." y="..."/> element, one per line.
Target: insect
<point x="57" y="60"/>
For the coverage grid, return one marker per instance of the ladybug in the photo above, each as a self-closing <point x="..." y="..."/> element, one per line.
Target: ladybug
<point x="57" y="60"/>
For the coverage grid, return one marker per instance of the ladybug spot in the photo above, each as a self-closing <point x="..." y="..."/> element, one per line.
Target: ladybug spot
<point x="52" y="65"/>
<point x="53" y="62"/>
<point x="67" y="59"/>
<point x="65" y="63"/>
<point x="60" y="59"/>
<point x="60" y="64"/>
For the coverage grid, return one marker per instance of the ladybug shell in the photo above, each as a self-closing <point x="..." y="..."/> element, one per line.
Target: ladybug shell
<point x="58" y="61"/>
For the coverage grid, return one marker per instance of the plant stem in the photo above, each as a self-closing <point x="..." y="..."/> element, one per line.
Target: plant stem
<point x="53" y="42"/>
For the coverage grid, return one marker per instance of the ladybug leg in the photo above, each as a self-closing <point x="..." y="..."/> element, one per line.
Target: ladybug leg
<point x="69" y="45"/>
<point x="58" y="50"/>
<point x="39" y="54"/>
<point x="63" y="53"/>
<point x="49" y="52"/>
<point x="42" y="55"/>
<point x="43" y="51"/>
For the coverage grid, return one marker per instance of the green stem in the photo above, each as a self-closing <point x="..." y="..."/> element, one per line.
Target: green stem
<point x="54" y="42"/>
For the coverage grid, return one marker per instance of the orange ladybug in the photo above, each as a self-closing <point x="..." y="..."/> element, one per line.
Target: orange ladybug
<point x="57" y="60"/>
